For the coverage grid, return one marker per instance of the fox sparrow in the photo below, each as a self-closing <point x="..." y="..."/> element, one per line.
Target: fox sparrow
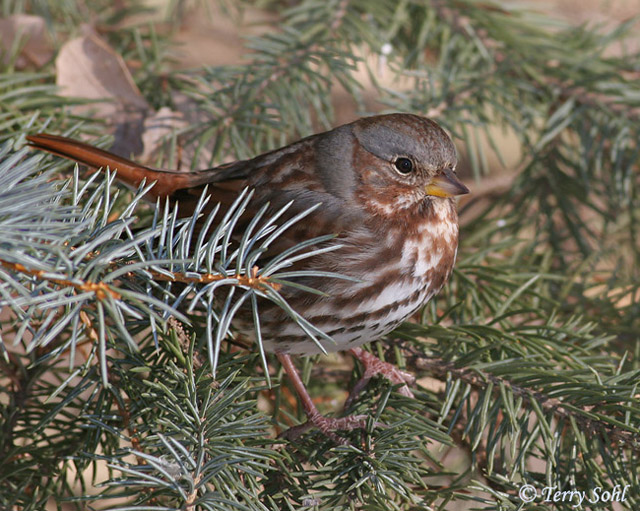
<point x="385" y="185"/>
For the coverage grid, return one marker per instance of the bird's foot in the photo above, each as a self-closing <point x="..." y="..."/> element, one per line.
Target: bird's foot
<point x="327" y="425"/>
<point x="374" y="366"/>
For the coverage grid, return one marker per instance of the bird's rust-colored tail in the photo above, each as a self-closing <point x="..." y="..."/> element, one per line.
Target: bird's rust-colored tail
<point x="128" y="171"/>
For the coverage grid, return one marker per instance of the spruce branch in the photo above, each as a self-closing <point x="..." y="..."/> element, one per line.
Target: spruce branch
<point x="101" y="278"/>
<point x="615" y="432"/>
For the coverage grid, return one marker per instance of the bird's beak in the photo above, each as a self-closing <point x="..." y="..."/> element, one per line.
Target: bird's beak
<point x="446" y="184"/>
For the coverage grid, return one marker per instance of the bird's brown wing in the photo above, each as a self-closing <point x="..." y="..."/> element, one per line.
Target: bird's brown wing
<point x="224" y="183"/>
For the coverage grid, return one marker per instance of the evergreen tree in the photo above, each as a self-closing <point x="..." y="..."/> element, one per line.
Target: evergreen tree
<point x="122" y="383"/>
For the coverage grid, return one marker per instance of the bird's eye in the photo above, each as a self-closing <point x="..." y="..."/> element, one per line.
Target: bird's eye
<point x="403" y="165"/>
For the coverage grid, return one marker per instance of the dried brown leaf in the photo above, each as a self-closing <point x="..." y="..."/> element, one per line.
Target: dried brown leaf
<point x="29" y="32"/>
<point x="87" y="67"/>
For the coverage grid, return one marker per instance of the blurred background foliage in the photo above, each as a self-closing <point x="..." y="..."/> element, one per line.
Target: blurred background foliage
<point x="527" y="362"/>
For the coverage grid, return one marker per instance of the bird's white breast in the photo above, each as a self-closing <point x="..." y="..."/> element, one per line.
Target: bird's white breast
<point x="386" y="301"/>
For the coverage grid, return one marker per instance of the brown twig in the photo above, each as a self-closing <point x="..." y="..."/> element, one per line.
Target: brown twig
<point x="252" y="280"/>
<point x="100" y="289"/>
<point x="481" y="380"/>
